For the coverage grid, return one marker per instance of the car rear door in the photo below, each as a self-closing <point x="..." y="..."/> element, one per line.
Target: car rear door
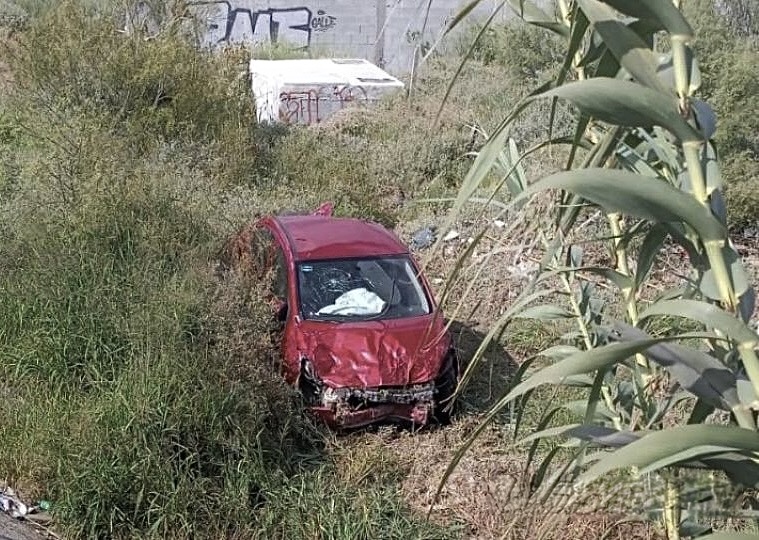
<point x="283" y="301"/>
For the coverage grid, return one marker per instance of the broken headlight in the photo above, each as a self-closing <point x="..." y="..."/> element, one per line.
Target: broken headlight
<point x="309" y="383"/>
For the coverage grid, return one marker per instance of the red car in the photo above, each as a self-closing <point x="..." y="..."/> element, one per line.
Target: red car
<point x="363" y="338"/>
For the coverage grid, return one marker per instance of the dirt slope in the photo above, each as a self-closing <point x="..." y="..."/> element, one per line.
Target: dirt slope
<point x="14" y="529"/>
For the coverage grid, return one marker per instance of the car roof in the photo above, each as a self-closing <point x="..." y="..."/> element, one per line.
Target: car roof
<point x="324" y="237"/>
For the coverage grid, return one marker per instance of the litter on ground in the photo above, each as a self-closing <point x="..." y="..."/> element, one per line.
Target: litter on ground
<point x="10" y="504"/>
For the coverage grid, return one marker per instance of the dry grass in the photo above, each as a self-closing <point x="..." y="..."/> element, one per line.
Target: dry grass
<point x="6" y="77"/>
<point x="485" y="495"/>
<point x="7" y="46"/>
<point x="382" y="162"/>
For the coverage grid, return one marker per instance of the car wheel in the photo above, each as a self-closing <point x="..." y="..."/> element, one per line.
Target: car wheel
<point x="445" y="386"/>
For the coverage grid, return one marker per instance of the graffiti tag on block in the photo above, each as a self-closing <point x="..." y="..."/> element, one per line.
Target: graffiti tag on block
<point x="309" y="106"/>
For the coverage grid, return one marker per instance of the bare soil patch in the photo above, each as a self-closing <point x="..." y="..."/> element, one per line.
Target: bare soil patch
<point x="14" y="529"/>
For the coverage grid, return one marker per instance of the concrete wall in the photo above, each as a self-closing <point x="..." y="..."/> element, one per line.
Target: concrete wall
<point x="386" y="32"/>
<point x="411" y="28"/>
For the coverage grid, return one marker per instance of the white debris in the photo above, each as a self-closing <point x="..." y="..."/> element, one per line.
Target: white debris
<point x="498" y="223"/>
<point x="355" y="302"/>
<point x="523" y="270"/>
<point x="452" y="235"/>
<point x="10" y="504"/>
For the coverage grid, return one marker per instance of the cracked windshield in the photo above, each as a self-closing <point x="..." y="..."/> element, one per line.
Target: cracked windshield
<point x="360" y="289"/>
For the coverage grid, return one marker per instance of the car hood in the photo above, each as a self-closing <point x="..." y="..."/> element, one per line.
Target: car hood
<point x="369" y="354"/>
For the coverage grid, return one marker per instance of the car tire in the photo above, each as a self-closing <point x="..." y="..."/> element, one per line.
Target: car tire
<point x="445" y="386"/>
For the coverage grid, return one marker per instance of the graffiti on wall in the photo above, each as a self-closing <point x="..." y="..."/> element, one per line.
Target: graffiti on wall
<point x="310" y="106"/>
<point x="242" y="22"/>
<point x="323" y="22"/>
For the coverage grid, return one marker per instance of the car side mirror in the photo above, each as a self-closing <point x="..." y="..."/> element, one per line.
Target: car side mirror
<point x="280" y="311"/>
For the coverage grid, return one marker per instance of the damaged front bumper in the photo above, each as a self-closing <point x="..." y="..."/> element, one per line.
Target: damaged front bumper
<point x="357" y="407"/>
<point x="342" y="417"/>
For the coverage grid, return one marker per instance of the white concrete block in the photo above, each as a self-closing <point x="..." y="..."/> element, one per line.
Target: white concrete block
<point x="309" y="91"/>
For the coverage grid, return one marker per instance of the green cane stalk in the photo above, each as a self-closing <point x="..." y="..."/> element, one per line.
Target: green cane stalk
<point x="698" y="182"/>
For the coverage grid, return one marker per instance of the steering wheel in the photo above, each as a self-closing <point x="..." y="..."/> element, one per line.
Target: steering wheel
<point x="334" y="280"/>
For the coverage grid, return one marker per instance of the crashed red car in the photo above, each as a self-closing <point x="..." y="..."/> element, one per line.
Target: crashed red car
<point x="362" y="336"/>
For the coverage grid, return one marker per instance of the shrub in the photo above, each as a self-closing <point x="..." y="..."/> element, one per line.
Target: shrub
<point x="156" y="92"/>
<point x="527" y="52"/>
<point x="369" y="161"/>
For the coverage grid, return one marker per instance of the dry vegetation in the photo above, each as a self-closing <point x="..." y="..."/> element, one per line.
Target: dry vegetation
<point x="486" y="496"/>
<point x="140" y="402"/>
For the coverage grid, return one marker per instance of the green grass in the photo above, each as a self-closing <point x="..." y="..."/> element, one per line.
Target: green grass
<point x="143" y="402"/>
<point x="139" y="394"/>
<point x="315" y="505"/>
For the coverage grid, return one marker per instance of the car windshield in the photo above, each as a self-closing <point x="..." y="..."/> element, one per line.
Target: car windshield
<point x="360" y="289"/>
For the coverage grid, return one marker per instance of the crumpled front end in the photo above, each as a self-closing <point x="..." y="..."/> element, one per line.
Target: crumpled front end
<point x="356" y="407"/>
<point x="372" y="354"/>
